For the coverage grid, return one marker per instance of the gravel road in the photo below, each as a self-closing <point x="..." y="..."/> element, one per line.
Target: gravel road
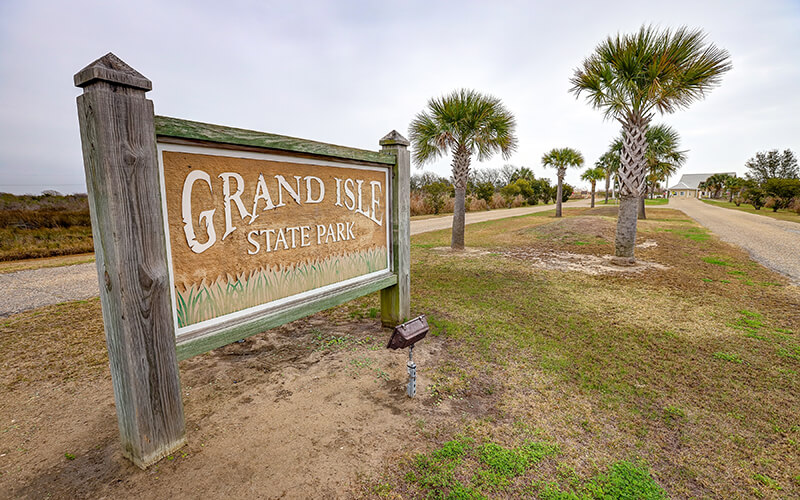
<point x="25" y="290"/>
<point x="773" y="243"/>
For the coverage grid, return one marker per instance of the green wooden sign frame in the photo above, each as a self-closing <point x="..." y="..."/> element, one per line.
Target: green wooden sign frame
<point x="119" y="133"/>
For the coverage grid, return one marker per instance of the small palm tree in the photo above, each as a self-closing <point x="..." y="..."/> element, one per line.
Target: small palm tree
<point x="609" y="162"/>
<point x="466" y="123"/>
<point x="561" y="158"/>
<point x="593" y="175"/>
<point x="632" y="77"/>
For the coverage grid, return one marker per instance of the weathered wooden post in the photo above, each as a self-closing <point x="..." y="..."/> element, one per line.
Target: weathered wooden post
<point x="396" y="300"/>
<point x="119" y="154"/>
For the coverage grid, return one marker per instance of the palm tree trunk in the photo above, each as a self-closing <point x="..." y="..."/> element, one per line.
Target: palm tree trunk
<point x="641" y="214"/>
<point x="558" y="192"/>
<point x="625" y="240"/>
<point x="461" y="160"/>
<point x="593" y="186"/>
<point x="608" y="183"/>
<point x="632" y="174"/>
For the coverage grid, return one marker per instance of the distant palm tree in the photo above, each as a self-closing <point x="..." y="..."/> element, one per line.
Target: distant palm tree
<point x="609" y="162"/>
<point x="465" y="122"/>
<point x="662" y="156"/>
<point x="632" y="77"/>
<point x="561" y="158"/>
<point x="593" y="175"/>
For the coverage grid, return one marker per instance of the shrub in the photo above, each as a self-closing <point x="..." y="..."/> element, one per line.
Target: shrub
<point x="476" y="205"/>
<point x="498" y="201"/>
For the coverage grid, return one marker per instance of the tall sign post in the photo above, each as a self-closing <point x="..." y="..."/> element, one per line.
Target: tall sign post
<point x="206" y="234"/>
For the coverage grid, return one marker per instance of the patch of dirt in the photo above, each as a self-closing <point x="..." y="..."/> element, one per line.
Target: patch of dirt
<point x="647" y="244"/>
<point x="585" y="263"/>
<point x="301" y="411"/>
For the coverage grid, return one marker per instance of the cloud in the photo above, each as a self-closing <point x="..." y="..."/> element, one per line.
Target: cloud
<point x="348" y="72"/>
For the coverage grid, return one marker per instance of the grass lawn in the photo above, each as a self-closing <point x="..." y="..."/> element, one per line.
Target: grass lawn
<point x="673" y="382"/>
<point x="780" y="214"/>
<point x="689" y="373"/>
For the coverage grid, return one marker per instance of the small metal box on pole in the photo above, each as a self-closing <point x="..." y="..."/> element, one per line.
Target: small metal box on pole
<point x="406" y="335"/>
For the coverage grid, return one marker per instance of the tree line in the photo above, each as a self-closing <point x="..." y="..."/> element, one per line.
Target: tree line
<point x="772" y="181"/>
<point x="486" y="188"/>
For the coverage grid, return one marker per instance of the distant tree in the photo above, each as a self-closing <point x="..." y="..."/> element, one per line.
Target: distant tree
<point x="566" y="191"/>
<point x="662" y="156"/>
<point x="466" y="123"/>
<point x="506" y="171"/>
<point x="632" y="77"/>
<point x="609" y="162"/>
<point x="593" y="175"/>
<point x="754" y="195"/>
<point x="772" y="165"/>
<point x="520" y="187"/>
<point x="522" y="173"/>
<point x="560" y="159"/>
<point x="782" y="191"/>
<point x="542" y="191"/>
<point x="419" y="181"/>
<point x="733" y="185"/>
<point x="484" y="190"/>
<point x="486" y="175"/>
<point x="437" y="193"/>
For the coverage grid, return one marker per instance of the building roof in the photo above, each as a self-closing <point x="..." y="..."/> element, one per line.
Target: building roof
<point x="692" y="181"/>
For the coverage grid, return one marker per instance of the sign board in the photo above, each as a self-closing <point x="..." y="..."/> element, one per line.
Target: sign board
<point x="206" y="234"/>
<point x="250" y="231"/>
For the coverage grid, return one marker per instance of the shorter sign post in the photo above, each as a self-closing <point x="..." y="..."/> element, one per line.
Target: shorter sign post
<point x="206" y="234"/>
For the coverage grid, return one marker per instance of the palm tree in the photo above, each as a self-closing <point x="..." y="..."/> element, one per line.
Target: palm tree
<point x="561" y="158"/>
<point x="465" y="122"/>
<point x="593" y="175"/>
<point x="662" y="156"/>
<point x="632" y="77"/>
<point x="609" y="162"/>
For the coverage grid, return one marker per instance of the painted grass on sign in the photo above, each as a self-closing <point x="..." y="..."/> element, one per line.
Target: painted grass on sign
<point x="203" y="301"/>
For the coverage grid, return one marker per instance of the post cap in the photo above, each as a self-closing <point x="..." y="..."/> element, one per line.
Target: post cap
<point x="111" y="68"/>
<point x="394" y="138"/>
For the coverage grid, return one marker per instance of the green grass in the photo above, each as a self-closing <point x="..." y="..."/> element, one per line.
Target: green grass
<point x="784" y="214"/>
<point x="587" y="360"/>
<point x="462" y="469"/>
<point x="203" y="301"/>
<point x="625" y="480"/>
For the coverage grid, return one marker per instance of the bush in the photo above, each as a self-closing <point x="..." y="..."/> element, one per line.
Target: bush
<point x="498" y="201"/>
<point x="794" y="206"/>
<point x="476" y="205"/>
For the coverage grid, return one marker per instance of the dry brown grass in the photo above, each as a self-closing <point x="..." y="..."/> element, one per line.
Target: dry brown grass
<point x="59" y="343"/>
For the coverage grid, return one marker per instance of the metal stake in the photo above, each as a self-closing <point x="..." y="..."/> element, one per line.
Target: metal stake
<point x="411" y="388"/>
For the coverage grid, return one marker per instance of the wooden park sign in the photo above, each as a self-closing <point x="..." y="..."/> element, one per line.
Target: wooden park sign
<point x="205" y="235"/>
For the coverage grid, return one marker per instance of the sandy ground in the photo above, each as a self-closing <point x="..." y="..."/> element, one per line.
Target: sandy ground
<point x="24" y="290"/>
<point x="773" y="243"/>
<point x="287" y="416"/>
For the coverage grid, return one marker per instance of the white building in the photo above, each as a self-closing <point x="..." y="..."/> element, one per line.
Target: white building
<point x="689" y="185"/>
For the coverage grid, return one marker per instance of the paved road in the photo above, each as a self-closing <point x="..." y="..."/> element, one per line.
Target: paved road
<point x="773" y="243"/>
<point x="25" y="290"/>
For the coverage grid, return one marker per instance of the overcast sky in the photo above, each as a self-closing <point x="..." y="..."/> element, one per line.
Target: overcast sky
<point x="349" y="72"/>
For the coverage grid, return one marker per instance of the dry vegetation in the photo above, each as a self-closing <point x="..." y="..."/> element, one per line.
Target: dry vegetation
<point x="43" y="226"/>
<point x="534" y="383"/>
